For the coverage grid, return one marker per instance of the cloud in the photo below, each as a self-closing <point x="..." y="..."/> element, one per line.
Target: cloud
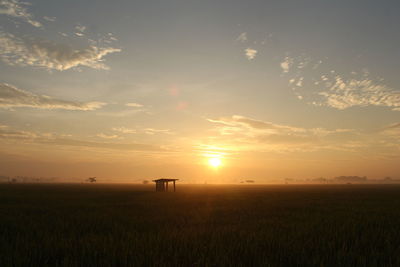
<point x="149" y="131"/>
<point x="7" y="133"/>
<point x="250" y="53"/>
<point x="323" y="86"/>
<point x="124" y="130"/>
<point x="51" y="19"/>
<point x="112" y="37"/>
<point x="255" y="134"/>
<point x="49" y="55"/>
<point x="91" y="144"/>
<point x="105" y="136"/>
<point x="17" y="9"/>
<point x="252" y="127"/>
<point x="152" y="131"/>
<point x="13" y="97"/>
<point x="394" y="126"/>
<point x="392" y="130"/>
<point x="298" y="64"/>
<point x="80" y="30"/>
<point x="242" y="37"/>
<point x="342" y="94"/>
<point x="134" y="105"/>
<point x="286" y="64"/>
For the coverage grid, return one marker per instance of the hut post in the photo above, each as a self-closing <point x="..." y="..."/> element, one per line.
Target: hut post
<point x="162" y="184"/>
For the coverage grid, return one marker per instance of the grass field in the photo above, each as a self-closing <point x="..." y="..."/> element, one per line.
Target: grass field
<point x="129" y="225"/>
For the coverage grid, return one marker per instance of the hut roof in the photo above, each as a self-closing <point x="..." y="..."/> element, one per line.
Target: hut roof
<point x="165" y="180"/>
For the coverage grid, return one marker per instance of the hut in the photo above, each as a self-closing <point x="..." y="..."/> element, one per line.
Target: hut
<point x="162" y="184"/>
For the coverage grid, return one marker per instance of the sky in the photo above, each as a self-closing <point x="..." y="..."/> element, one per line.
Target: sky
<point x="134" y="90"/>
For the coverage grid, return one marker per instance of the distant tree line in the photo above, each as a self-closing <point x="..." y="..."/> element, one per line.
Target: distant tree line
<point x="342" y="180"/>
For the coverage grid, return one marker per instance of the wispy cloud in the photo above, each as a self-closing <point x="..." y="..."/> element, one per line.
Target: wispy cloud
<point x="149" y="131"/>
<point x="17" y="9"/>
<point x="394" y="126"/>
<point x="51" y="19"/>
<point x="286" y="64"/>
<point x="13" y="97"/>
<point x="250" y="53"/>
<point x="325" y="87"/>
<point x="80" y="30"/>
<point x="251" y="126"/>
<point x="105" y="145"/>
<point x="124" y="130"/>
<point x="107" y="136"/>
<point x="134" y="105"/>
<point x="342" y="94"/>
<point x="242" y="37"/>
<point x="50" y="55"/>
<point x="8" y="133"/>
<point x="252" y="134"/>
<point x="152" y="131"/>
<point x="392" y="130"/>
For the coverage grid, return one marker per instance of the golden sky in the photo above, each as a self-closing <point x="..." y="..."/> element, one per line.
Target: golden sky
<point x="203" y="91"/>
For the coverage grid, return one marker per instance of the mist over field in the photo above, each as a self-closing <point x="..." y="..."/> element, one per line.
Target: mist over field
<point x="244" y="181"/>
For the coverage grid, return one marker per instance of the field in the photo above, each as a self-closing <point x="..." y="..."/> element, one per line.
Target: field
<point x="130" y="225"/>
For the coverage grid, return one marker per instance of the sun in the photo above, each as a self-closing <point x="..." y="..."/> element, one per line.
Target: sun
<point x="215" y="162"/>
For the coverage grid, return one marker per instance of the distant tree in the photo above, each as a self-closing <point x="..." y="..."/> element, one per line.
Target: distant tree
<point x="4" y="179"/>
<point x="288" y="180"/>
<point x="350" y="179"/>
<point x="250" y="181"/>
<point x="145" y="181"/>
<point x="319" y="180"/>
<point x="91" y="179"/>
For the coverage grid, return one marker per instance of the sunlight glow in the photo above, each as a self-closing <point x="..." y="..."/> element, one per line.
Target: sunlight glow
<point x="215" y="162"/>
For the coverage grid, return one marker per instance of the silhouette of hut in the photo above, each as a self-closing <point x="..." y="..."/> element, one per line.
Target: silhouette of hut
<point x="162" y="184"/>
